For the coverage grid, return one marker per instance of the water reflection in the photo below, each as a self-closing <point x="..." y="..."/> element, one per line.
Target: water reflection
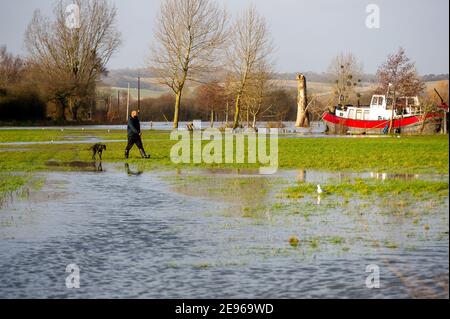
<point x="96" y="166"/>
<point x="130" y="172"/>
<point x="152" y="241"/>
<point x="385" y="176"/>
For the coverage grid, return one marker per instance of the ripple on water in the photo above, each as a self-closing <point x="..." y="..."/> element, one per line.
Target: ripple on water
<point x="139" y="237"/>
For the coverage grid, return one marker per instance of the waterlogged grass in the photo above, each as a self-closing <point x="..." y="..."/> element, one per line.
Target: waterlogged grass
<point x="427" y="154"/>
<point x="367" y="187"/>
<point x="405" y="154"/>
<point x="11" y="183"/>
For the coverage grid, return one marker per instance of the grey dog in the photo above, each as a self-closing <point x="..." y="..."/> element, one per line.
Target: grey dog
<point x="97" y="149"/>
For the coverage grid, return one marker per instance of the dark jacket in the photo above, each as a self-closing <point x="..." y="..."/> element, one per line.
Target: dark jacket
<point x="134" y="127"/>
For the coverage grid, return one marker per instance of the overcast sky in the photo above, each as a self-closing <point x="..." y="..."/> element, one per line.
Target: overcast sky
<point x="306" y="33"/>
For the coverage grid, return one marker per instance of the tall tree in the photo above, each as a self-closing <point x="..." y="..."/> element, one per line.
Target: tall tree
<point x="189" y="35"/>
<point x="250" y="47"/>
<point x="71" y="59"/>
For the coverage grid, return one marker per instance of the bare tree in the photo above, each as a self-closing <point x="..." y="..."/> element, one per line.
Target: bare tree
<point x="189" y="35"/>
<point x="73" y="59"/>
<point x="210" y="97"/>
<point x="256" y="99"/>
<point x="398" y="77"/>
<point x="11" y="68"/>
<point x="346" y="71"/>
<point x="250" y="47"/>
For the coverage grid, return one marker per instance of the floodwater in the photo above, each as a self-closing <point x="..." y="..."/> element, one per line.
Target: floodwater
<point x="216" y="234"/>
<point x="316" y="127"/>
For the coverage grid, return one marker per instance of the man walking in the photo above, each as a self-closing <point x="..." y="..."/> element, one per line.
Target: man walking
<point x="134" y="135"/>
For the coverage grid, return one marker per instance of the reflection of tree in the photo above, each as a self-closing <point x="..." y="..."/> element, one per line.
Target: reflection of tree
<point x="301" y="176"/>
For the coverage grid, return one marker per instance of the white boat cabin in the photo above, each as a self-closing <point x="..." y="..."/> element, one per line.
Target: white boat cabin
<point x="380" y="108"/>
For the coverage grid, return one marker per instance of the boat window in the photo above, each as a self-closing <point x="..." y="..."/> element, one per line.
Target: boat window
<point x="374" y="100"/>
<point x="351" y="114"/>
<point x="359" y="115"/>
<point x="366" y="115"/>
<point x="380" y="101"/>
<point x="411" y="101"/>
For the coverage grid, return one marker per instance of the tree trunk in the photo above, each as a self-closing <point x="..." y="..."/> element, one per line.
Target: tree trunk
<point x="226" y="114"/>
<point x="248" y="118"/>
<point x="62" y="109"/>
<point x="302" y="102"/>
<point x="176" y="113"/>
<point x="237" y="111"/>
<point x="254" y="121"/>
<point x="212" y="119"/>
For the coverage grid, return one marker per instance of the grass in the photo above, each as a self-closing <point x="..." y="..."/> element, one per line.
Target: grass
<point x="427" y="154"/>
<point x="10" y="183"/>
<point x="68" y="134"/>
<point x="366" y="187"/>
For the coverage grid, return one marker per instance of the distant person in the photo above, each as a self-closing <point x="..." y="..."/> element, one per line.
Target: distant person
<point x="134" y="135"/>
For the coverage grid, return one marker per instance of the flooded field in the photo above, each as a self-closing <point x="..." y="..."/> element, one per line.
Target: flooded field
<point x="220" y="234"/>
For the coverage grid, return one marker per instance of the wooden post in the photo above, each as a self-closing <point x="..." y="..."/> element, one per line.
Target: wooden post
<point x="118" y="102"/>
<point x="445" y="122"/>
<point x="128" y="103"/>
<point x="139" y="93"/>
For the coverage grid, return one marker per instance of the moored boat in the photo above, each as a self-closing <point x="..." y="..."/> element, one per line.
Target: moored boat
<point x="381" y="117"/>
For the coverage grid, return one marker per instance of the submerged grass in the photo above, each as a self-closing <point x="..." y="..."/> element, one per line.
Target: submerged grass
<point x="11" y="183"/>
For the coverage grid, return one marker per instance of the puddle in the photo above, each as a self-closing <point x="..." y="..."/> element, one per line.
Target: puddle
<point x="77" y="165"/>
<point x="217" y="234"/>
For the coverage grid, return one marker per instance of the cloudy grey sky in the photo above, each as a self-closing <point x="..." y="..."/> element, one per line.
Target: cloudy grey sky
<point x="307" y="33"/>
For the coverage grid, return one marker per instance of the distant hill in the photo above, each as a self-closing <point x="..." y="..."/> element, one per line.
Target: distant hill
<point x="120" y="78"/>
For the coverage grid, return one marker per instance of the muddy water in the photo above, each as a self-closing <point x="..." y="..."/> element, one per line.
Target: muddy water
<point x="208" y="234"/>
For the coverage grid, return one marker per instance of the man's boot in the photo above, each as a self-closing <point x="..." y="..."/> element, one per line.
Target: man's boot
<point x="143" y="153"/>
<point x="127" y="154"/>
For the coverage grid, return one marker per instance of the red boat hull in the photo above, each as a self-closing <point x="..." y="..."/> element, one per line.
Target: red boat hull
<point x="411" y="124"/>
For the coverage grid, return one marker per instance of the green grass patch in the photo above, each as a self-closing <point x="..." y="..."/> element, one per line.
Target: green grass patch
<point x="424" y="154"/>
<point x="366" y="187"/>
<point x="11" y="183"/>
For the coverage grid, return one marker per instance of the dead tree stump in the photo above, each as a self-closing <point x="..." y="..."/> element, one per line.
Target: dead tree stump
<point x="302" y="102"/>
